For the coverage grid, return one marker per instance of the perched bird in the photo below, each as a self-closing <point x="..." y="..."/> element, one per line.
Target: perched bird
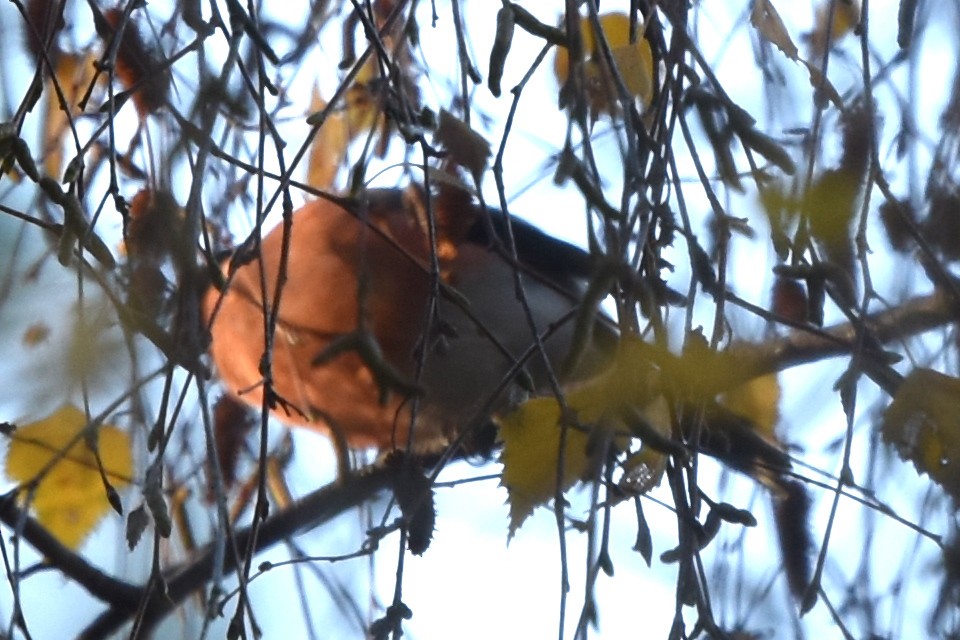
<point x="400" y="322"/>
<point x="382" y="327"/>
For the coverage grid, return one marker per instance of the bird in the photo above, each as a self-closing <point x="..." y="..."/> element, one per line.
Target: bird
<point x="405" y="316"/>
<point x="392" y="336"/>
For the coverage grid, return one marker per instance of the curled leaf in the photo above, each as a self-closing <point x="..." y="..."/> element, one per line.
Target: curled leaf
<point x="75" y="227"/>
<point x="137" y="523"/>
<point x="789" y="299"/>
<point x="906" y="17"/>
<point x="231" y="424"/>
<point x="644" y="542"/>
<point x="414" y="495"/>
<point x="44" y="19"/>
<point x="501" y="47"/>
<point x="768" y="23"/>
<point x="734" y="515"/>
<point x="153" y="495"/>
<point x="791" y="511"/>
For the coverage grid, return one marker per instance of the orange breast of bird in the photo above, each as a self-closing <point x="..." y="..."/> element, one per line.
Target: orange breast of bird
<point x="329" y="249"/>
<point x="368" y="270"/>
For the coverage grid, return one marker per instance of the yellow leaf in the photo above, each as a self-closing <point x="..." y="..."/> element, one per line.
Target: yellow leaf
<point x="531" y="444"/>
<point x="634" y="63"/>
<point x="531" y="433"/>
<point x="758" y="400"/>
<point x="846" y="15"/>
<point x="362" y="107"/>
<point x="58" y="472"/>
<point x="701" y="372"/>
<point x="629" y="381"/>
<point x="923" y="425"/>
<point x="831" y="206"/>
<point x="360" y="112"/>
<point x="329" y="147"/>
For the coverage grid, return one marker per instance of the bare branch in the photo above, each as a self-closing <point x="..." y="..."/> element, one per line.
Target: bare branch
<point x="913" y="317"/>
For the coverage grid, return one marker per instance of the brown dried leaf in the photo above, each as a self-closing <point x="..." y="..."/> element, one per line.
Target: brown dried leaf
<point x="231" y="424"/>
<point x="465" y="147"/>
<point x="768" y="23"/>
<point x="44" y="18"/>
<point x="136" y="66"/>
<point x="770" y="26"/>
<point x="899" y="221"/>
<point x="35" y="334"/>
<point x="819" y="82"/>
<point x="414" y="494"/>
<point x="137" y="523"/>
<point x="790" y="299"/>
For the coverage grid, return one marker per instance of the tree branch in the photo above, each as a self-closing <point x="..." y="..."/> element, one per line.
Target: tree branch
<point x="125" y="600"/>
<point x="801" y="346"/>
<point x="914" y="316"/>
<point x="113" y="591"/>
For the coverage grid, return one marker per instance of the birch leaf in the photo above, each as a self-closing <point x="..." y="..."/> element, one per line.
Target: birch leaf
<point x="923" y="425"/>
<point x="532" y="433"/>
<point x="59" y="474"/>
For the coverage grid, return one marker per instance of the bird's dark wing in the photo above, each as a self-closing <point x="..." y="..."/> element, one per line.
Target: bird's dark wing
<point x="544" y="255"/>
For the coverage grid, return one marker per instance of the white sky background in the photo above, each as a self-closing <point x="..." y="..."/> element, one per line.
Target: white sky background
<point x="470" y="584"/>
